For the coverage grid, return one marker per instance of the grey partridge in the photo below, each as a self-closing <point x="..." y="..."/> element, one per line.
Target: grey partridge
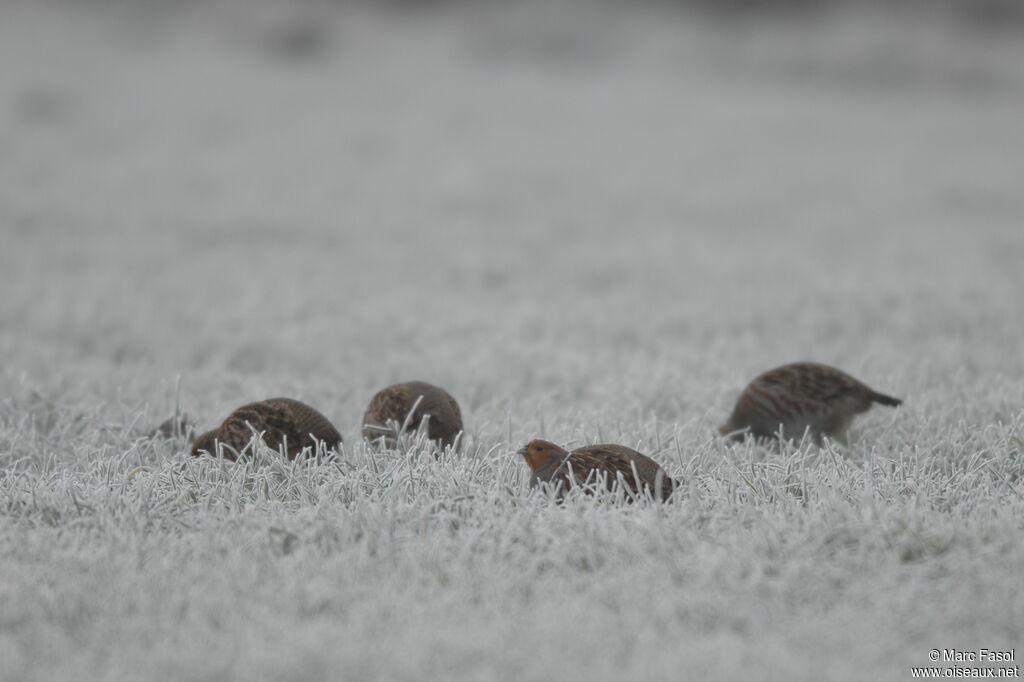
<point x="406" y="405"/>
<point x="802" y="397"/>
<point x="554" y="466"/>
<point x="282" y="421"/>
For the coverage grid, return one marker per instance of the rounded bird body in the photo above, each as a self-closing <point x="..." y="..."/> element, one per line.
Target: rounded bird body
<point x="799" y="398"/>
<point x="282" y="422"/>
<point x="589" y="465"/>
<point x="404" y="406"/>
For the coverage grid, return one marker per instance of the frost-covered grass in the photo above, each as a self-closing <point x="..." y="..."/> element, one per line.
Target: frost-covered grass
<point x="589" y="226"/>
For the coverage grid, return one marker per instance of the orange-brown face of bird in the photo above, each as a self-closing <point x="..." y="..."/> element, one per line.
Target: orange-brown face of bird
<point x="537" y="452"/>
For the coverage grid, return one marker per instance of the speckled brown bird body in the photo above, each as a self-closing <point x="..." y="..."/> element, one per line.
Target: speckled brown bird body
<point x="282" y="421"/>
<point x="802" y="397"/>
<point x="554" y="466"/>
<point x="393" y="405"/>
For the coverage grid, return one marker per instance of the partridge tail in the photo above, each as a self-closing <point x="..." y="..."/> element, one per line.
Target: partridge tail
<point x="882" y="399"/>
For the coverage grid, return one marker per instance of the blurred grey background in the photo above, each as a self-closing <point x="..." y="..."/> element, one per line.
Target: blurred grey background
<point x="238" y="191"/>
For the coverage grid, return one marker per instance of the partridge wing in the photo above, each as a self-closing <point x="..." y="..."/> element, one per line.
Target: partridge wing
<point x="306" y="421"/>
<point x="638" y="470"/>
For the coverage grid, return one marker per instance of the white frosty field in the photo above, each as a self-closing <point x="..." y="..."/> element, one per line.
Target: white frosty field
<point x="590" y="225"/>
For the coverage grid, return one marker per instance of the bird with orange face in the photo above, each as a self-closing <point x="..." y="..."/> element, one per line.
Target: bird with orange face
<point x="280" y="421"/>
<point x="802" y="397"/>
<point x="590" y="465"/>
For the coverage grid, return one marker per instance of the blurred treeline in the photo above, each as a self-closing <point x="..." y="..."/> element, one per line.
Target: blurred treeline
<point x="982" y="13"/>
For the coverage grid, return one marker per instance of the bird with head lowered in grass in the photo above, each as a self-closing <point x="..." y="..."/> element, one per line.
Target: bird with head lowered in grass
<point x="403" y="407"/>
<point x="280" y="421"/>
<point x="799" y="398"/>
<point x="596" y="465"/>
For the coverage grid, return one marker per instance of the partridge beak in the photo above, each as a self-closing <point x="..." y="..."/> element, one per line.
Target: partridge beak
<point x="523" y="451"/>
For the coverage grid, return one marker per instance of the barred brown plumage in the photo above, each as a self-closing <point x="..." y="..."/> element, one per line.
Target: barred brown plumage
<point x="802" y="397"/>
<point x="282" y="421"/>
<point x="406" y="405"/>
<point x="553" y="465"/>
